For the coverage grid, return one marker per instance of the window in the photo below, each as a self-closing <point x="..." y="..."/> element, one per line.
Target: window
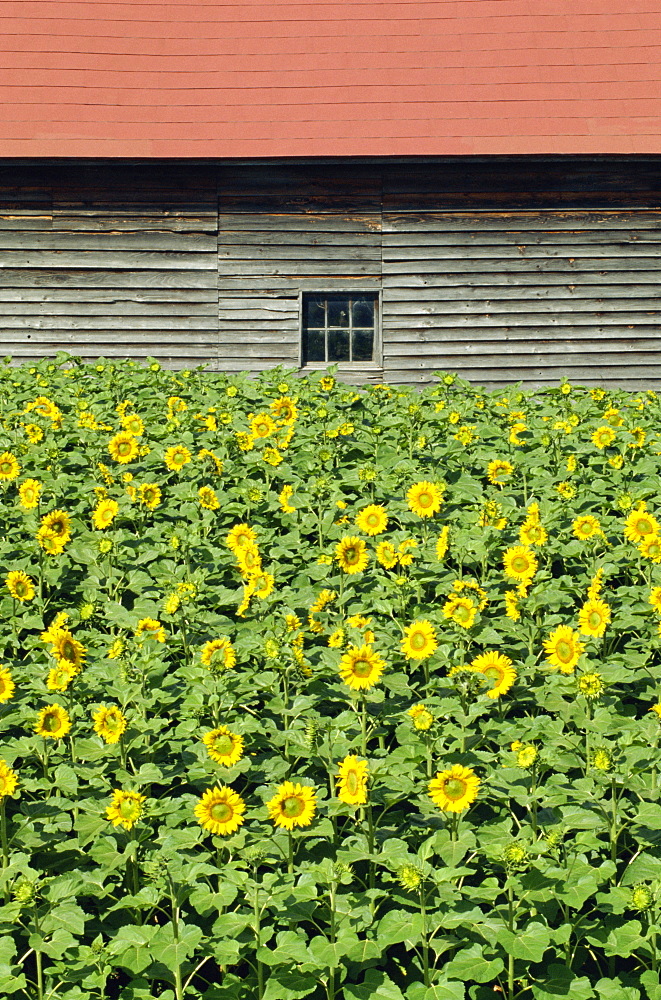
<point x="339" y="327"/>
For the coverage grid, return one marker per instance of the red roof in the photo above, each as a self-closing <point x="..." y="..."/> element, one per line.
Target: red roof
<point x="313" y="78"/>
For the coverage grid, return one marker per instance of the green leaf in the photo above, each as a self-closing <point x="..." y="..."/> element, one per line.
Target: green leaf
<point x="376" y="986"/>
<point x="447" y="990"/>
<point x="169" y="952"/>
<point x="612" y="989"/>
<point x="287" y="984"/>
<point x="528" y="943"/>
<point x="471" y="966"/>
<point x="398" y="926"/>
<point x="561" y="982"/>
<point x="650" y="980"/>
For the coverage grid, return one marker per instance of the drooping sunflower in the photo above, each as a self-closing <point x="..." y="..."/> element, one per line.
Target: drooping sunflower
<point x="593" y="618"/>
<point x="8" y="780"/>
<point x="66" y="648"/>
<point x="284" y="497"/>
<point x="640" y="524"/>
<point x="104" y="513"/>
<point x="499" y="471"/>
<point x="351" y="554"/>
<point x="176" y="457"/>
<point x="373" y="520"/>
<point x="218" y="654"/>
<point x="272" y="456"/>
<point x="109" y="723"/>
<point x="461" y="610"/>
<point x="7" y="686"/>
<point x="386" y="554"/>
<point x="603" y="437"/>
<point x="51" y="543"/>
<point x="125" y="808"/>
<point x="9" y="467"/>
<point x="123" y="448"/>
<point x="19" y="585"/>
<point x="351" y="781"/>
<point x="586" y="526"/>
<point x="241" y="536"/>
<point x="424" y="498"/>
<point x="419" y="640"/>
<point x="60" y="676"/>
<point x="563" y="648"/>
<point x="58" y="523"/>
<point x="455" y="789"/>
<point x="220" y="811"/>
<point x="207" y="498"/>
<point x="292" y="805"/>
<point x="284" y="409"/>
<point x="152" y="628"/>
<point x="53" y="722"/>
<point x="650" y="548"/>
<point x="249" y="560"/>
<point x="224" y="746"/>
<point x="263" y="584"/>
<point x="149" y="495"/>
<point x="442" y="543"/>
<point x="361" y="668"/>
<point x="519" y="563"/>
<point x="29" y="493"/>
<point x="498" y="669"/>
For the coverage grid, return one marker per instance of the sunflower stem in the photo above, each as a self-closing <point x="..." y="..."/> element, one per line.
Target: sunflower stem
<point x="425" y="938"/>
<point x="510" y="956"/>
<point x="178" y="986"/>
<point x="363" y="725"/>
<point x="3" y="839"/>
<point x="258" y="935"/>
<point x="290" y="852"/>
<point x="38" y="959"/>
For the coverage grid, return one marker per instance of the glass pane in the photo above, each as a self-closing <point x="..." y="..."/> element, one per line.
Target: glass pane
<point x="314" y="346"/>
<point x="363" y="312"/>
<point x="338" y="312"/>
<point x="338" y="345"/>
<point x="363" y="345"/>
<point x="315" y="314"/>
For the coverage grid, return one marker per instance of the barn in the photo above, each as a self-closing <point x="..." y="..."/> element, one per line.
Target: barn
<point x="393" y="186"/>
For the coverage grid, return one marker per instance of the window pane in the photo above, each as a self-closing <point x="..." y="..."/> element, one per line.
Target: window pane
<point x="338" y="312"/>
<point x="315" y="314"/>
<point x="363" y="345"/>
<point x="338" y="345"/>
<point x="314" y="346"/>
<point x="363" y="312"/>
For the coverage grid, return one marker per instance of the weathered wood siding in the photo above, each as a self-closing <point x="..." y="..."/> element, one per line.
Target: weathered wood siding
<point x="502" y="270"/>
<point x="117" y="263"/>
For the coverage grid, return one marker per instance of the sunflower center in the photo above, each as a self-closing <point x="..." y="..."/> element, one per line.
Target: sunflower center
<point x="425" y="499"/>
<point x="493" y="673"/>
<point x="3" y="688"/>
<point x="372" y="520"/>
<point x="128" y="809"/>
<point x="594" y="619"/>
<point x="351" y="555"/>
<point x="643" y="526"/>
<point x="51" y="722"/>
<point x="564" y="651"/>
<point x="4" y="786"/>
<point x="520" y="564"/>
<point x="223" y="744"/>
<point x="352" y="782"/>
<point x="6" y="468"/>
<point x="21" y="588"/>
<point x="292" y="806"/>
<point x="418" y="640"/>
<point x="462" y="613"/>
<point x="362" y="668"/>
<point x="68" y="651"/>
<point x="454" y="788"/>
<point x="123" y="448"/>
<point x="221" y="812"/>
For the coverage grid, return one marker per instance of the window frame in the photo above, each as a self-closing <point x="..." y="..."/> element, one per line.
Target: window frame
<point x="354" y="292"/>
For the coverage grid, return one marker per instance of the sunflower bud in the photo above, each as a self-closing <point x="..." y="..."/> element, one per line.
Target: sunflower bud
<point x="409" y="877"/>
<point x="25" y="891"/>
<point x="311" y="735"/>
<point x="515" y="856"/>
<point x="602" y="760"/>
<point x="642" y="897"/>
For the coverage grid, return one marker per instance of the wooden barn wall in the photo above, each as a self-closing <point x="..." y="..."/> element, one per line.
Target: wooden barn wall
<point x="500" y="269"/>
<point x="283" y="232"/>
<point x="97" y="261"/>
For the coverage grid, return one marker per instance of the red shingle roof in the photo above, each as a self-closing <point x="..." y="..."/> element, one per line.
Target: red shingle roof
<point x="315" y="78"/>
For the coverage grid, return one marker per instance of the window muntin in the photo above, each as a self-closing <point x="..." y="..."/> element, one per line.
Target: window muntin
<point x="339" y="328"/>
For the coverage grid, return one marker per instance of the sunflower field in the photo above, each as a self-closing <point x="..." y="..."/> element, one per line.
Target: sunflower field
<point x="316" y="691"/>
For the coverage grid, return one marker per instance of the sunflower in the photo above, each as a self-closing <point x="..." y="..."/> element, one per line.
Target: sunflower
<point x="8" y="780"/>
<point x="284" y="497"/>
<point x="109" y="723"/>
<point x="386" y="554"/>
<point x="461" y="610"/>
<point x="9" y="467"/>
<point x="519" y="563"/>
<point x="292" y="805"/>
<point x="419" y="640"/>
<point x="7" y="686"/>
<point x="60" y="676"/>
<point x="586" y="526"/>
<point x="424" y="499"/>
<point x="29" y="493"/>
<point x="123" y="448"/>
<point x="499" y="471"/>
<point x="133" y="424"/>
<point x="220" y="811"/>
<point x="442" y="543"/>
<point x="272" y="456"/>
<point x="50" y="543"/>
<point x="34" y="433"/>
<point x="249" y="560"/>
<point x="241" y="536"/>
<point x="263" y="584"/>
<point x="152" y="628"/>
<point x="45" y="407"/>
<point x="455" y="789"/>
<point x="52" y="723"/>
<point x="104" y="513"/>
<point x="223" y="746"/>
<point x="563" y="648"/>
<point x="655" y="599"/>
<point x="650" y="548"/>
<point x="603" y="437"/>
<point x="176" y="457"/>
<point x="19" y="585"/>
<point x="361" y="668"/>
<point x="218" y="654"/>
<point x="262" y="425"/>
<point x="591" y="685"/>
<point x="351" y="554"/>
<point x="593" y="618"/>
<point x="422" y="717"/>
<point x="149" y="495"/>
<point x="67" y="649"/>
<point x="532" y="533"/>
<point x="207" y="498"/>
<point x="639" y="525"/>
<point x="125" y="808"/>
<point x="284" y="409"/>
<point x="351" y="781"/>
<point x="498" y="669"/>
<point x="373" y="520"/>
<point x="58" y="523"/>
